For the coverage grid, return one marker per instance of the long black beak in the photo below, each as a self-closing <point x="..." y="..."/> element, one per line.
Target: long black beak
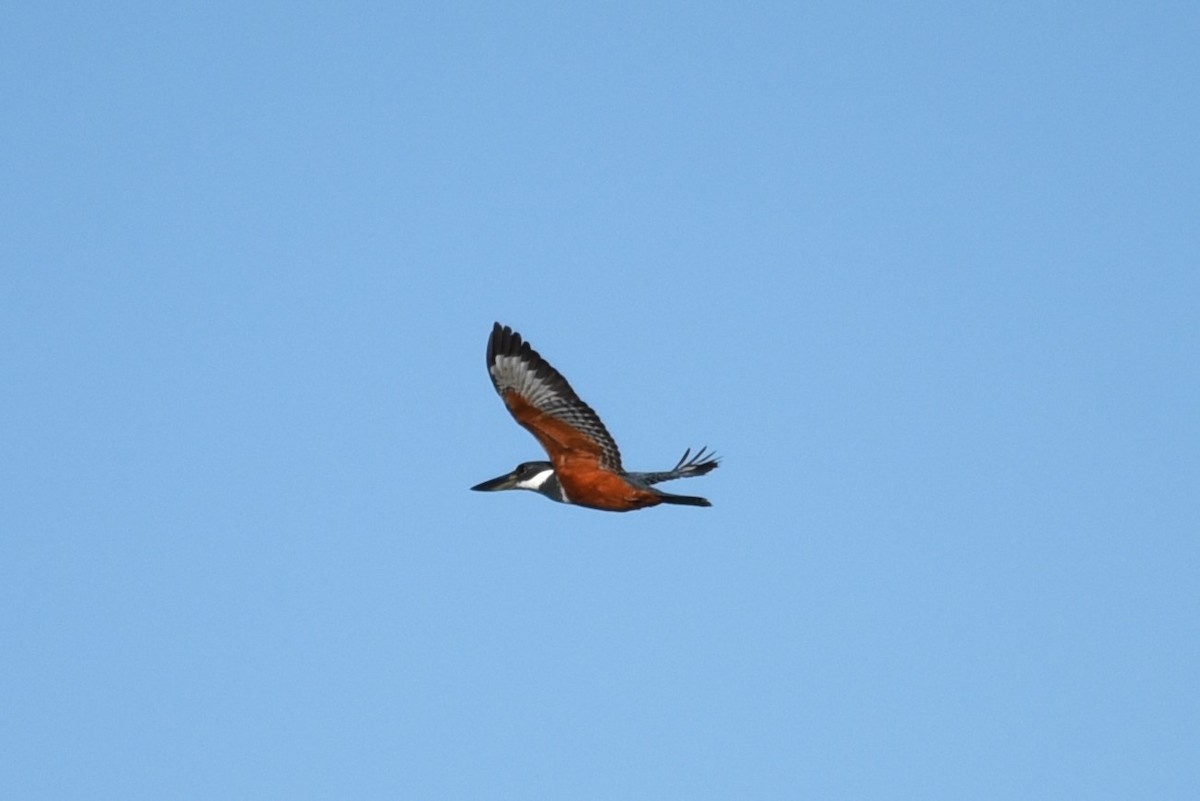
<point x="499" y="483"/>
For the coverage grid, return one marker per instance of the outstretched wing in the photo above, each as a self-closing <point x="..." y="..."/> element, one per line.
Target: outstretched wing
<point x="542" y="401"/>
<point x="689" y="465"/>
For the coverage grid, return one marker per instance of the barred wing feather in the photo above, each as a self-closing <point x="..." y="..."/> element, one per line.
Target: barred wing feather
<point x="542" y="401"/>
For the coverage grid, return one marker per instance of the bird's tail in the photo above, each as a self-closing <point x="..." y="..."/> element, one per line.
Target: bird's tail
<point x="686" y="467"/>
<point x="683" y="500"/>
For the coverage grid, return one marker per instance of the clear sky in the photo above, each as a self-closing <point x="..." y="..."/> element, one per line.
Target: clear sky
<point x="926" y="275"/>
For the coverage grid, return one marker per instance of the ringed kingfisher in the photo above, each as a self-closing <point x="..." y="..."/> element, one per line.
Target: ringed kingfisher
<point x="585" y="465"/>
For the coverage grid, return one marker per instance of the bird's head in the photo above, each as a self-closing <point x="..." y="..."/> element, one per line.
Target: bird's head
<point x="526" y="476"/>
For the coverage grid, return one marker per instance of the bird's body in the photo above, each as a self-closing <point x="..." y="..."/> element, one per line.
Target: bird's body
<point x="585" y="464"/>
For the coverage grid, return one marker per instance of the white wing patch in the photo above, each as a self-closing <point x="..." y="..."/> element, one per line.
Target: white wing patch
<point x="512" y="373"/>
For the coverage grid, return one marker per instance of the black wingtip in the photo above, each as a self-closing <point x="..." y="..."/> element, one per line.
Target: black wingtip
<point x="503" y="341"/>
<point x="702" y="462"/>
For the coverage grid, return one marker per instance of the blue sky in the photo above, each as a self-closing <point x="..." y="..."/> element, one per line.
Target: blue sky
<point x="926" y="276"/>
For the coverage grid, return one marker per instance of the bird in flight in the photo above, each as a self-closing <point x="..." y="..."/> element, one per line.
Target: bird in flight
<point x="585" y="465"/>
